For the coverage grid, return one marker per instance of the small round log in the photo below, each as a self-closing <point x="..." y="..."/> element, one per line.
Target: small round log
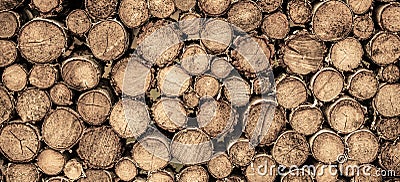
<point x="389" y="156"/>
<point x="388" y="16"/>
<point x="363" y="84"/>
<point x="46" y="7"/>
<point x="33" y="104"/>
<point x="385" y="101"/>
<point x="42" y="40"/>
<point x="221" y="68"/>
<point x="80" y="73"/>
<point x="346" y="54"/>
<point x="215" y="7"/>
<point x="190" y="25"/>
<point x="345" y="115"/>
<point x="133" y="13"/>
<point x="268" y="6"/>
<point x="306" y="119"/>
<point x="11" y="23"/>
<point x="173" y="81"/>
<point x="160" y="176"/>
<point x="96" y="175"/>
<point x="327" y="84"/>
<point x="62" y="128"/>
<point x="388" y="128"/>
<point x="8" y="52"/>
<point x="15" y="77"/>
<point x="60" y="94"/>
<point x="22" y="172"/>
<point x="220" y="166"/>
<point x="327" y="146"/>
<point x="108" y="40"/>
<point x="389" y="73"/>
<point x="129" y="118"/>
<point x="241" y="152"/>
<point x="360" y="6"/>
<point x="7" y="105"/>
<point x="185" y="5"/>
<point x="125" y="169"/>
<point x="43" y="76"/>
<point x="362" y="145"/>
<point x="137" y="79"/>
<point x="381" y="48"/>
<point x="161" y="8"/>
<point x="206" y="86"/>
<point x="195" y="60"/>
<point x="191" y="99"/>
<point x="276" y="25"/>
<point x="237" y="91"/>
<point x="101" y="9"/>
<point x="73" y="169"/>
<point x="151" y="153"/>
<point x="363" y="27"/>
<point x="262" y="168"/>
<point x="291" y="91"/>
<point x="94" y="106"/>
<point x="302" y="54"/>
<point x="191" y="146"/>
<point x="19" y="142"/>
<point x="99" y="147"/>
<point x="332" y="20"/>
<point x="169" y="114"/>
<point x="245" y="15"/>
<point x="290" y="149"/>
<point x="50" y="162"/>
<point x="299" y="12"/>
<point x="193" y="173"/>
<point x="78" y="22"/>
<point x="216" y="35"/>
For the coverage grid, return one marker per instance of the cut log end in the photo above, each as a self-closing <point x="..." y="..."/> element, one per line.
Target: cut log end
<point x="241" y="152"/>
<point x="214" y="8"/>
<point x="94" y="106"/>
<point x="381" y="48"/>
<point x="101" y="9"/>
<point x="346" y="54"/>
<point x="193" y="173"/>
<point x="306" y="119"/>
<point x="326" y="140"/>
<point x="15" y="77"/>
<point x="388" y="17"/>
<point x="50" y="162"/>
<point x="151" y="153"/>
<point x="299" y="11"/>
<point x="73" y="169"/>
<point x="362" y="145"/>
<point x="291" y="92"/>
<point x="385" y="102"/>
<point x="11" y="22"/>
<point x="33" y="104"/>
<point x="290" y="149"/>
<point x="125" y="169"/>
<point x="161" y="8"/>
<point x="327" y="84"/>
<point x="363" y="84"/>
<point x="43" y="76"/>
<point x="245" y="15"/>
<point x="78" y="22"/>
<point x="363" y="27"/>
<point x="220" y="166"/>
<point x="61" y="95"/>
<point x="133" y="8"/>
<point x="276" y="25"/>
<point x="22" y="172"/>
<point x="80" y="73"/>
<point x="345" y="115"/>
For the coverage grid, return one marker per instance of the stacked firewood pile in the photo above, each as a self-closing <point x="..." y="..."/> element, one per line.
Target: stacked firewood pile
<point x="82" y="84"/>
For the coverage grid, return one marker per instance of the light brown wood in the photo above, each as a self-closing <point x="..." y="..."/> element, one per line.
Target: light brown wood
<point x="261" y="169"/>
<point x="160" y="176"/>
<point x="326" y="173"/>
<point x="96" y="175"/>
<point x="214" y="7"/>
<point x="268" y="6"/>
<point x="42" y="40"/>
<point x="362" y="146"/>
<point x="327" y="84"/>
<point x="9" y="4"/>
<point x="298" y="175"/>
<point x="78" y="22"/>
<point x="185" y="5"/>
<point x="241" y="152"/>
<point x="15" y="77"/>
<point x="151" y="153"/>
<point x="108" y="40"/>
<point x="346" y="54"/>
<point x="290" y="91"/>
<point x="389" y="73"/>
<point x="8" y="52"/>
<point x="173" y="81"/>
<point x="193" y="173"/>
<point x="125" y="169"/>
<point x="43" y="76"/>
<point x="384" y="101"/>
<point x="195" y="60"/>
<point x="50" y="162"/>
<point x="7" y="105"/>
<point x="237" y="91"/>
<point x="161" y="8"/>
<point x="360" y="6"/>
<point x="363" y="84"/>
<point x="11" y="145"/>
<point x="191" y="99"/>
<point x="302" y="53"/>
<point x="190" y="24"/>
<point x="192" y="146"/>
<point x="57" y="179"/>
<point x="62" y="128"/>
<point x="94" y="106"/>
<point x="47" y="7"/>
<point x="129" y="118"/>
<point x="388" y="128"/>
<point x="363" y="27"/>
<point x="345" y="115"/>
<point x="389" y="156"/>
<point x="290" y="149"/>
<point x="133" y="13"/>
<point x="381" y="48"/>
<point x="221" y="68"/>
<point x="306" y="119"/>
<point x="276" y="25"/>
<point x="22" y="172"/>
<point x="245" y="15"/>
<point x="206" y="86"/>
<point x="220" y="166"/>
<point x="216" y="35"/>
<point x="33" y="104"/>
<point x="326" y="140"/>
<point x="11" y="22"/>
<point x="80" y="73"/>
<point x="73" y="169"/>
<point x="101" y="9"/>
<point x="60" y="94"/>
<point x="373" y="176"/>
<point x="388" y="16"/>
<point x="299" y="12"/>
<point x="99" y="147"/>
<point x="332" y="20"/>
<point x="169" y="114"/>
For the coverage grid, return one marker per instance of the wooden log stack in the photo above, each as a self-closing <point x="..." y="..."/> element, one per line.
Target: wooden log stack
<point x="199" y="90"/>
